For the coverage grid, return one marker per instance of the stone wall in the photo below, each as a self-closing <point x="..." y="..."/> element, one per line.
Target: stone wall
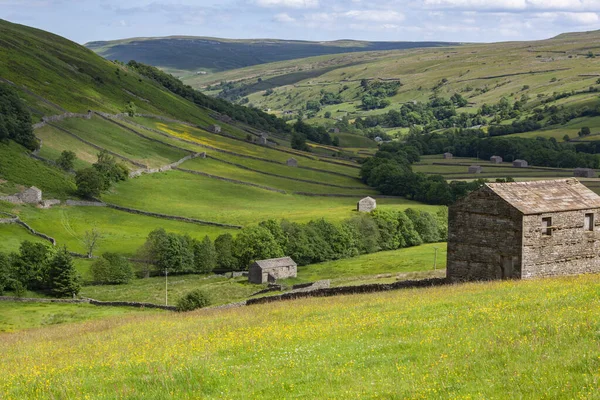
<point x="569" y="250"/>
<point x="49" y="203"/>
<point x="167" y="167"/>
<point x="484" y="238"/>
<point x="189" y="171"/>
<point x="60" y="117"/>
<point x="82" y="203"/>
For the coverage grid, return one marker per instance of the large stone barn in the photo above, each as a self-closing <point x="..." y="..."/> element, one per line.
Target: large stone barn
<point x="524" y="230"/>
<point x="264" y="271"/>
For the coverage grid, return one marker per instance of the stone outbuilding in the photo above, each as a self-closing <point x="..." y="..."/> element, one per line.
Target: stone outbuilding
<point x="524" y="230"/>
<point x="215" y="128"/>
<point x="292" y="162"/>
<point x="264" y="271"/>
<point x="584" y="173"/>
<point x="475" y="169"/>
<point x="263" y="139"/>
<point x="367" y="204"/>
<point x="496" y="159"/>
<point x="520" y="164"/>
<point x="334" y="130"/>
<point x="32" y="195"/>
<point x="448" y="156"/>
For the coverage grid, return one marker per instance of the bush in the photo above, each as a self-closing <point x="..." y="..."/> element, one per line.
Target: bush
<point x="66" y="161"/>
<point x="112" y="268"/>
<point x="193" y="300"/>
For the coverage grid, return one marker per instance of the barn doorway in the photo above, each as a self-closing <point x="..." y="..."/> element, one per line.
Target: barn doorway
<point x="510" y="267"/>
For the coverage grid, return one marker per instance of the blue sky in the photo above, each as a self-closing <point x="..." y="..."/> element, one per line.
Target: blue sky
<point x="444" y="20"/>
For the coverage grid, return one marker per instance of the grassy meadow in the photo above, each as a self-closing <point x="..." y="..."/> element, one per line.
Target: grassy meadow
<point x="510" y="339"/>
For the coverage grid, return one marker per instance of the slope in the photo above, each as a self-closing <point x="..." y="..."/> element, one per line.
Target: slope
<point x="188" y="54"/>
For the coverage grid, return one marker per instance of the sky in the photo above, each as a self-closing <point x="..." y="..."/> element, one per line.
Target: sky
<point x="381" y="20"/>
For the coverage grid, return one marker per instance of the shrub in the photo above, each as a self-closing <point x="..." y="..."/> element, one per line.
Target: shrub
<point x="66" y="160"/>
<point x="193" y="300"/>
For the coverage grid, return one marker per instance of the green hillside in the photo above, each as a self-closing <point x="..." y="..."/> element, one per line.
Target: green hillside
<point x="518" y="339"/>
<point x="189" y="55"/>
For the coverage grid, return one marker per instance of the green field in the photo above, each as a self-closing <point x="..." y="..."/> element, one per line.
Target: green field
<point x="13" y="235"/>
<point x="516" y="339"/>
<point x="19" y="316"/>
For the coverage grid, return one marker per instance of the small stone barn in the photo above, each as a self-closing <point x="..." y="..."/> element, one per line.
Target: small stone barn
<point x="447" y="156"/>
<point x="264" y="271"/>
<point x="263" y="139"/>
<point x="475" y="169"/>
<point x="334" y="130"/>
<point x="496" y="159"/>
<point x="215" y="128"/>
<point x="292" y="162"/>
<point x="32" y="195"/>
<point x="584" y="173"/>
<point x="367" y="204"/>
<point x="524" y="230"/>
<point x="520" y="164"/>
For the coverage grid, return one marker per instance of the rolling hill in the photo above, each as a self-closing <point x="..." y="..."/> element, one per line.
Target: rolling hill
<point x="189" y="55"/>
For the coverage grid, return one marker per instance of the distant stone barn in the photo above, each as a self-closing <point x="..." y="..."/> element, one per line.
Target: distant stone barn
<point x="448" y="156"/>
<point x="292" y="162"/>
<point x="215" y="128"/>
<point x="584" y="173"/>
<point x="524" y="230"/>
<point x="496" y="159"/>
<point x="367" y="204"/>
<point x="475" y="169"/>
<point x="264" y="271"/>
<point x="520" y="164"/>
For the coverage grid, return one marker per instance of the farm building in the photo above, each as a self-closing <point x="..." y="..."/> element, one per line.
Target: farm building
<point x="292" y="162"/>
<point x="584" y="173"/>
<point x="263" y="139"/>
<point x="367" y="204"/>
<point x="334" y="130"/>
<point x="32" y="195"/>
<point x="264" y="271"/>
<point x="447" y="156"/>
<point x="475" y="169"/>
<point x="524" y="230"/>
<point x="496" y="159"/>
<point x="215" y="128"/>
<point x="520" y="163"/>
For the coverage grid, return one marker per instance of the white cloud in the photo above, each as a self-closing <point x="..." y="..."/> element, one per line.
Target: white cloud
<point x="374" y="15"/>
<point x="288" y="3"/>
<point x="515" y="5"/>
<point x="283" y="17"/>
<point x="585" y="18"/>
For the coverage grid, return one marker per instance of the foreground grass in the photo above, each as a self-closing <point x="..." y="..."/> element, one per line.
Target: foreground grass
<point x="18" y="316"/>
<point x="513" y="339"/>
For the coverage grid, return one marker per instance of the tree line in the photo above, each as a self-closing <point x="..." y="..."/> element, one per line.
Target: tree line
<point x="15" y="119"/>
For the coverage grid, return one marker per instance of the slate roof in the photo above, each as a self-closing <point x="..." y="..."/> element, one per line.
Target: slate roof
<point x="275" y="263"/>
<point x="367" y="199"/>
<point x="538" y="197"/>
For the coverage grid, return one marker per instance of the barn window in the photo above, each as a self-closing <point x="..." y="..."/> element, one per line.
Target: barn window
<point x="547" y="226"/>
<point x="588" y="222"/>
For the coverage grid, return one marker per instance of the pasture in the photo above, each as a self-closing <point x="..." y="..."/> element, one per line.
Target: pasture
<point x="517" y="339"/>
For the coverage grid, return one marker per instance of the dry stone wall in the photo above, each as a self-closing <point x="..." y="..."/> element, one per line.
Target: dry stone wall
<point x="189" y="171"/>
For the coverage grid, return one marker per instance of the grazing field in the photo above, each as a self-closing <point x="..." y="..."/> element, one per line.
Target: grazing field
<point x="184" y="194"/>
<point x="516" y="339"/>
<point x="18" y="316"/>
<point x="12" y="236"/>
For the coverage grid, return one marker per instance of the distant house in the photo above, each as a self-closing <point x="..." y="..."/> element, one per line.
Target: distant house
<point x="334" y="130"/>
<point x="524" y="230"/>
<point x="475" y="169"/>
<point x="292" y="162"/>
<point x="447" y="156"/>
<point x="520" y="164"/>
<point x="584" y="173"/>
<point x="367" y="204"/>
<point x="496" y="159"/>
<point x="264" y="271"/>
<point x="215" y="128"/>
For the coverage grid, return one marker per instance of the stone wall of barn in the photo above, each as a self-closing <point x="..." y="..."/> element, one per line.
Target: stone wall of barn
<point x="570" y="249"/>
<point x="484" y="238"/>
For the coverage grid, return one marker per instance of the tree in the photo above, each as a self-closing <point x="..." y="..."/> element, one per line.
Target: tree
<point x="90" y="241"/>
<point x="89" y="182"/>
<point x="131" y="109"/>
<point x="585" y="131"/>
<point x="109" y="169"/>
<point x="112" y="268"/>
<point x="327" y="114"/>
<point x="5" y="273"/>
<point x="31" y="265"/>
<point x="205" y="256"/>
<point x="224" y="249"/>
<point x="169" y="251"/>
<point x="566" y="138"/>
<point x="425" y="224"/>
<point x="255" y="243"/>
<point x="66" y="160"/>
<point x="336" y="141"/>
<point x="193" y="300"/>
<point x="299" y="142"/>
<point x="15" y="119"/>
<point x="63" y="279"/>
<point x="364" y="233"/>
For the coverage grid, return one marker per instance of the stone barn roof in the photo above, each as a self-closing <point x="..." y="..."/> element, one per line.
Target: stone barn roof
<point x="547" y="196"/>
<point x="275" y="263"/>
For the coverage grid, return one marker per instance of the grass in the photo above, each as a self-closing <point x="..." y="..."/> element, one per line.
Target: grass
<point x="12" y="236"/>
<point x="18" y="316"/>
<point x="185" y="194"/>
<point x="497" y="340"/>
<point x="18" y="168"/>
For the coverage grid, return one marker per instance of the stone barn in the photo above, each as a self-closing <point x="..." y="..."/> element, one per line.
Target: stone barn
<point x="496" y="159"/>
<point x="334" y="130"/>
<point x="263" y="139"/>
<point x="520" y="164"/>
<point x="264" y="271"/>
<point x="448" y="156"/>
<point x="367" y="204"/>
<point x="475" y="169"/>
<point x="584" y="173"/>
<point x="215" y="128"/>
<point x="292" y="162"/>
<point x="32" y="195"/>
<point x="524" y="230"/>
